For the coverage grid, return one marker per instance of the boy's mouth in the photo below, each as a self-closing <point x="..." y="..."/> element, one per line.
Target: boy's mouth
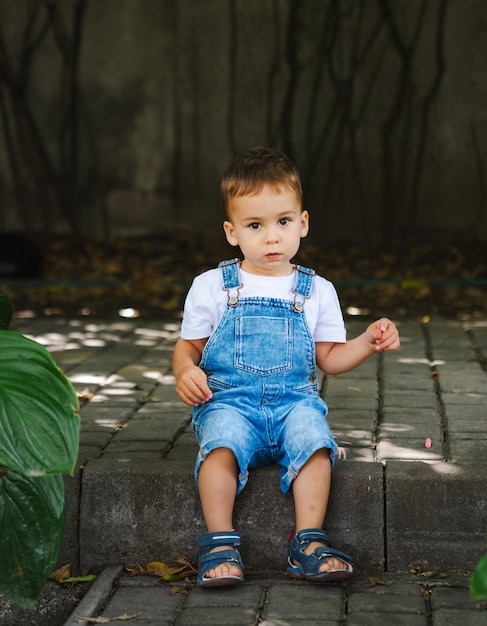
<point x="273" y="256"/>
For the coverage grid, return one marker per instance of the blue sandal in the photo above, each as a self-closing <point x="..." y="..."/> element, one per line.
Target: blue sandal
<point x="309" y="564"/>
<point x="209" y="560"/>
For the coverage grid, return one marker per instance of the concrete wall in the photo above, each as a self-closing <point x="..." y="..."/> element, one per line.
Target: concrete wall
<point x="386" y="120"/>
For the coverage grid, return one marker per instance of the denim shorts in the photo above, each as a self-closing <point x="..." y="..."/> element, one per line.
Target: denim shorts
<point x="284" y="427"/>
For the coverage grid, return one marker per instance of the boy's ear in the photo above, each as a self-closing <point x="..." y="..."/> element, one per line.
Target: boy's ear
<point x="230" y="233"/>
<point x="304" y="223"/>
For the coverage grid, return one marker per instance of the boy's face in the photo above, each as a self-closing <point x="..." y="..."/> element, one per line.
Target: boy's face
<point x="268" y="228"/>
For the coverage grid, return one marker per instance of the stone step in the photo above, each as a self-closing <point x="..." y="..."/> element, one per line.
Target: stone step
<point x="389" y="517"/>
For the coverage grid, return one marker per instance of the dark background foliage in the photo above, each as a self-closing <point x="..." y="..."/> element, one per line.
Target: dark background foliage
<point x="152" y="276"/>
<point x="117" y="118"/>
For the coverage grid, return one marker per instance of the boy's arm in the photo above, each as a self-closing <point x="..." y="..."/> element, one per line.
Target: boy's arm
<point x="191" y="384"/>
<point x="337" y="358"/>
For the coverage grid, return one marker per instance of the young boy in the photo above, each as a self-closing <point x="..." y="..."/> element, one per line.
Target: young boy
<point x="252" y="334"/>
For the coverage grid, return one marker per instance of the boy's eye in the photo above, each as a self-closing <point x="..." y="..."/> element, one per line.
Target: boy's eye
<point x="254" y="226"/>
<point x="284" y="221"/>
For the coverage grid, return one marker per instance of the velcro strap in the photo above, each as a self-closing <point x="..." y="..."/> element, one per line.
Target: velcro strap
<point x="214" y="540"/>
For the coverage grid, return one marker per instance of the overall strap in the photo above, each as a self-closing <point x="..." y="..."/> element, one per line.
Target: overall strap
<point x="302" y="286"/>
<point x="231" y="279"/>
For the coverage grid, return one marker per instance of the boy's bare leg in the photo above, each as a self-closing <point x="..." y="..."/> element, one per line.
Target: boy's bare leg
<point x="311" y="489"/>
<point x="217" y="483"/>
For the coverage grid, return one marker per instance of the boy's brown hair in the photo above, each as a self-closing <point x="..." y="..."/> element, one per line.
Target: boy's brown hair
<point x="249" y="172"/>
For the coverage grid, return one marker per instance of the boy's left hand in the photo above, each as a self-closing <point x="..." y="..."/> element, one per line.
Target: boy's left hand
<point x="383" y="335"/>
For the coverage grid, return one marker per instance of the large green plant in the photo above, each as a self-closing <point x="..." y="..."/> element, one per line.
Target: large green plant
<point x="39" y="439"/>
<point x="478" y="581"/>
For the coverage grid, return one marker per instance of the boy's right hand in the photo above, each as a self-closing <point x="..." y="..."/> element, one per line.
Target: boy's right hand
<point x="192" y="386"/>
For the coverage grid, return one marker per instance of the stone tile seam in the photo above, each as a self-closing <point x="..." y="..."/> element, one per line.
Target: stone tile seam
<point x="435" y="377"/>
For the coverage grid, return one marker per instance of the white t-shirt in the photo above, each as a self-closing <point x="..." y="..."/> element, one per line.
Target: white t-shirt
<point x="206" y="302"/>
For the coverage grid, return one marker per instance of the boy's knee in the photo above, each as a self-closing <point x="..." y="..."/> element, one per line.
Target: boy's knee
<point x="321" y="453"/>
<point x="320" y="457"/>
<point x="225" y="456"/>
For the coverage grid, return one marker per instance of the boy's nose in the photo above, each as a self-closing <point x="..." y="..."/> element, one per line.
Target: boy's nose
<point x="271" y="236"/>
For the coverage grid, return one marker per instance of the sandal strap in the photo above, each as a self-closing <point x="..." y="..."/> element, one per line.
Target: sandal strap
<point x="212" y="560"/>
<point x="326" y="553"/>
<point x="308" y="535"/>
<point x="208" y="541"/>
<point x="310" y="562"/>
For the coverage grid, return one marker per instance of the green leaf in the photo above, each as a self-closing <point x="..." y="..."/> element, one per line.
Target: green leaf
<point x="89" y="578"/>
<point x="478" y="581"/>
<point x="39" y="427"/>
<point x="31" y="530"/>
<point x="6" y="311"/>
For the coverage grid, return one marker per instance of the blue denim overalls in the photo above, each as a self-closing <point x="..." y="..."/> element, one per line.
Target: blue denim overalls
<point x="260" y="363"/>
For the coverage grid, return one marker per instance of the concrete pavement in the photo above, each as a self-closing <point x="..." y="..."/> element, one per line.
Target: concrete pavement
<point x="388" y="600"/>
<point x="410" y="497"/>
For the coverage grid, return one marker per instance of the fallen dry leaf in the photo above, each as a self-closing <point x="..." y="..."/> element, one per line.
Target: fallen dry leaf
<point x="167" y="572"/>
<point x="62" y="573"/>
<point x="156" y="568"/>
<point x="374" y="582"/>
<point x="138" y="570"/>
<point x="435" y="574"/>
<point x="426" y="593"/>
<point x="63" y="576"/>
<point x="85" y="394"/>
<point x="183" y="560"/>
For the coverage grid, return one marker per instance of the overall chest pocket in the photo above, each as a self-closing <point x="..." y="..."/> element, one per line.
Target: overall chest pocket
<point x="263" y="345"/>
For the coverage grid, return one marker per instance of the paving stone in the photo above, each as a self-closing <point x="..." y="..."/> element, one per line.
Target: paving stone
<point x="238" y="596"/>
<point x="155" y="606"/>
<point x="366" y="387"/>
<point x="350" y="402"/>
<point x="404" y="399"/>
<point x="92" y="412"/>
<point x="408" y="431"/>
<point x="459" y="617"/>
<point x="462" y="378"/>
<point x="387" y="619"/>
<point x="95" y="438"/>
<point x="410" y="415"/>
<point x="154" y="427"/>
<point x="469" y="400"/>
<point x="451" y="597"/>
<point x="369" y="603"/>
<point x="409" y="450"/>
<point x="352" y="437"/>
<point x="468" y="451"/>
<point x="407" y="383"/>
<point x="350" y="419"/>
<point x="186" y="453"/>
<point x="461" y="429"/>
<point x="287" y="603"/>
